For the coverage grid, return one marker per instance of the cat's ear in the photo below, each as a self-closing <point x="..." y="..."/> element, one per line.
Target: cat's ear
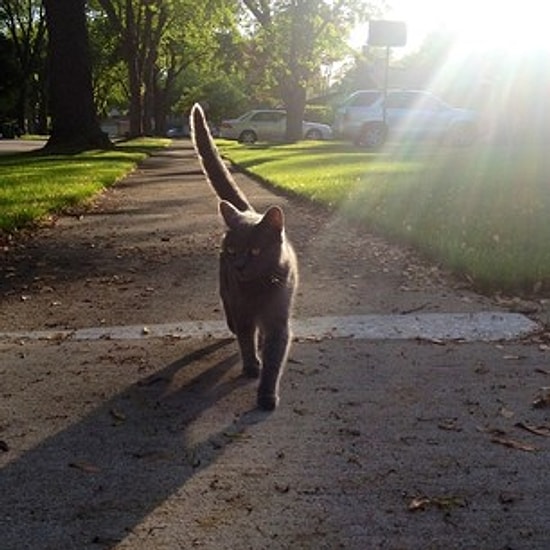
<point x="230" y="214"/>
<point x="274" y="219"/>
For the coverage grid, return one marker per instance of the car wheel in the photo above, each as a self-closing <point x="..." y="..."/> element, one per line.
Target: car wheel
<point x="248" y="136"/>
<point x="462" y="134"/>
<point x="314" y="134"/>
<point x="372" y="135"/>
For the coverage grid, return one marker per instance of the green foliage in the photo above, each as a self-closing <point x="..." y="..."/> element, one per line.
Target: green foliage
<point x="482" y="212"/>
<point x="196" y="55"/>
<point x="8" y="82"/>
<point x="222" y="98"/>
<point x="319" y="113"/>
<point x="23" y="62"/>
<point x="159" y="56"/>
<point x="211" y="67"/>
<point x="108" y="71"/>
<point x="291" y="43"/>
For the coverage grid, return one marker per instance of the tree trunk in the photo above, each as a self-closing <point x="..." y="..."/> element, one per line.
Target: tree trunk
<point x="159" y="110"/>
<point x="22" y="106"/>
<point x="134" y="63"/>
<point x="136" y="99"/>
<point x="148" y="104"/>
<point x="41" y="100"/>
<point x="294" y="98"/>
<point x="74" y="123"/>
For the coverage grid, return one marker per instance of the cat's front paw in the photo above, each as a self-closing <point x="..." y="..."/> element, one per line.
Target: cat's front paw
<point x="268" y="401"/>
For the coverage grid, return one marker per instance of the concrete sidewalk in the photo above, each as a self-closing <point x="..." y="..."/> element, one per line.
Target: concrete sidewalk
<point x="152" y="441"/>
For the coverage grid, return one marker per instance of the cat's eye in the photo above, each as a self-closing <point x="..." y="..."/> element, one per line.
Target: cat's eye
<point x="255" y="251"/>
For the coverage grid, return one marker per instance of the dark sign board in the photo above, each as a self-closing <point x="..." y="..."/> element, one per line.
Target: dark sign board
<point x="387" y="33"/>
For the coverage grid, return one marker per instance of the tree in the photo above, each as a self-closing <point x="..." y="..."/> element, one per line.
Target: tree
<point x="109" y="75"/>
<point x="10" y="77"/>
<point x="158" y="41"/>
<point x="25" y="25"/>
<point x="297" y="37"/>
<point x="198" y="58"/>
<point x="140" y="25"/>
<point x="74" y="122"/>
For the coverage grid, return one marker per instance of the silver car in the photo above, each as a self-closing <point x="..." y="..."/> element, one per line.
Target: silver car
<point x="268" y="125"/>
<point x="414" y="114"/>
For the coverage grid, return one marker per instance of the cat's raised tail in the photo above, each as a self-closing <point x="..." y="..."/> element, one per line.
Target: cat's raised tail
<point x="213" y="166"/>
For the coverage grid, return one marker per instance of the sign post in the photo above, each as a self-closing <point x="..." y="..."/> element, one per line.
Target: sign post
<point x="387" y="34"/>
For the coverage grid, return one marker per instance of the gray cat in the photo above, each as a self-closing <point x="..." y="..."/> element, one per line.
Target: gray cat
<point x="258" y="272"/>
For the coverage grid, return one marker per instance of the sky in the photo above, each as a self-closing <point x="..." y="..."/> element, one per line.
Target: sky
<point x="515" y="25"/>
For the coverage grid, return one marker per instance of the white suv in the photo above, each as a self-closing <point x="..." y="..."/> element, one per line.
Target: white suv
<point x="409" y="113"/>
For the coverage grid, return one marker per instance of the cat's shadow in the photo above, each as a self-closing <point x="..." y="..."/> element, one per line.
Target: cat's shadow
<point x="95" y="481"/>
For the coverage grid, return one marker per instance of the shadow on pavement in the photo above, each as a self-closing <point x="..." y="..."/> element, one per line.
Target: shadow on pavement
<point x="92" y="483"/>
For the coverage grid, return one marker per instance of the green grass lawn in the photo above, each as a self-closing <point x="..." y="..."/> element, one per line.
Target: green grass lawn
<point x="482" y="211"/>
<point x="33" y="185"/>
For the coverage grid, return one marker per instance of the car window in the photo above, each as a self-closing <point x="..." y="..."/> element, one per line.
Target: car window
<point x="277" y="117"/>
<point x="412" y="100"/>
<point x="429" y="103"/>
<point x="400" y="101"/>
<point x="268" y="116"/>
<point x="364" y="99"/>
<point x="259" y="117"/>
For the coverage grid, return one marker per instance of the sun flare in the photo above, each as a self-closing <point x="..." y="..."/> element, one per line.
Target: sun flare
<point x="478" y="24"/>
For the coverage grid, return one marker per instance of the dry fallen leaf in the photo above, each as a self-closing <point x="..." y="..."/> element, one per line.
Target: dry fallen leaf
<point x="117" y="415"/>
<point x="154" y="455"/>
<point x="282" y="488"/>
<point x="449" y="424"/>
<point x="419" y="503"/>
<point x="513" y="444"/>
<point x="86" y="467"/>
<point x="509" y="498"/>
<point x="543" y="399"/>
<point x="443" y="503"/>
<point x="537" y="430"/>
<point x="506" y="413"/>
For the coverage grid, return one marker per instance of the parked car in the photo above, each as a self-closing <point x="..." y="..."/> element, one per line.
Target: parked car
<point x="9" y="130"/>
<point x="184" y="131"/>
<point x="414" y="114"/>
<point x="178" y="132"/>
<point x="268" y="125"/>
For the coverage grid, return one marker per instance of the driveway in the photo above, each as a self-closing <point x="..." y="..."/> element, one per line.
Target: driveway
<point x="409" y="416"/>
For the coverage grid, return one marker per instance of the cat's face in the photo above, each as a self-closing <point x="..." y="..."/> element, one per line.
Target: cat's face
<point x="251" y="247"/>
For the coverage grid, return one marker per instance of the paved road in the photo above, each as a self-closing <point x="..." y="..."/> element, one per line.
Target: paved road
<point x="151" y="441"/>
<point x="8" y="146"/>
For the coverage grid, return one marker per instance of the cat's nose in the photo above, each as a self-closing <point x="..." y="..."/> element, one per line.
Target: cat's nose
<point x="240" y="263"/>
